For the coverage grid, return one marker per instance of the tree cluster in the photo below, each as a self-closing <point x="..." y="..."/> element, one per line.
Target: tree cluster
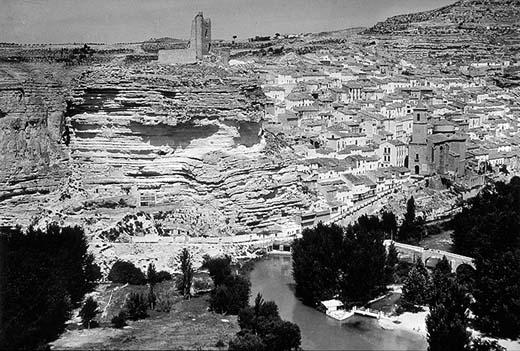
<point x="126" y="273"/>
<point x="448" y="321"/>
<point x="261" y="328"/>
<point x="412" y="228"/>
<point x="351" y="262"/>
<point x="488" y="230"/>
<point x="43" y="275"/>
<point x="231" y="291"/>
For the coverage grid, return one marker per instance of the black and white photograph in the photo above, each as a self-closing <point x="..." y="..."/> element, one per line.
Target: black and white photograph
<point x="260" y="175"/>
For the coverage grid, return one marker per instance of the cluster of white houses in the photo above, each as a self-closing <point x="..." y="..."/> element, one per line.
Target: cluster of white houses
<point x="364" y="124"/>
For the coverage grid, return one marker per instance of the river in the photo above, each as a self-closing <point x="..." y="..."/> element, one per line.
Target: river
<point x="272" y="277"/>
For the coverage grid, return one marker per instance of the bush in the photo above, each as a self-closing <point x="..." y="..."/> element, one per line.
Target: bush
<point x="247" y="342"/>
<point x="119" y="320"/>
<point x="164" y="304"/>
<point x="136" y="306"/>
<point x="263" y="320"/>
<point x="219" y="268"/>
<point x="88" y="312"/>
<point x="163" y="276"/>
<point x="125" y="272"/>
<point x="231" y="296"/>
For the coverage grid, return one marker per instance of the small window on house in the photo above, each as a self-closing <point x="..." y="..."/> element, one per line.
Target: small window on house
<point x="418" y="117"/>
<point x="416" y="157"/>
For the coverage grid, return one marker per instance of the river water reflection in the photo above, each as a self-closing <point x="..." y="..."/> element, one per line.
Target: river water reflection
<point x="272" y="277"/>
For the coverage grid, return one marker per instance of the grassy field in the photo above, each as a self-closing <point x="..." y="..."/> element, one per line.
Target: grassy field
<point x="189" y="325"/>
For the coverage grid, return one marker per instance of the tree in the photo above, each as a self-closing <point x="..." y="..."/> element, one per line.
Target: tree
<point x="329" y="260"/>
<point x="119" y="320"/>
<point x="187" y="273"/>
<point x="392" y="259"/>
<point x="280" y="335"/>
<point x="136" y="306"/>
<point x="410" y="210"/>
<point x="249" y="317"/>
<point x="231" y="296"/>
<point x="440" y="279"/>
<point x="247" y="342"/>
<point x="89" y="311"/>
<point x="497" y="294"/>
<point x="151" y="275"/>
<point x="126" y="273"/>
<point x="92" y="272"/>
<point x="416" y="286"/>
<point x="162" y="276"/>
<point x="263" y="320"/>
<point x="317" y="262"/>
<point x="448" y="321"/>
<point x="151" y="298"/>
<point x="44" y="274"/>
<point x="219" y="268"/>
<point x="412" y="228"/>
<point x="485" y="345"/>
<point x="389" y="224"/>
<point x="488" y="229"/>
<point x="363" y="262"/>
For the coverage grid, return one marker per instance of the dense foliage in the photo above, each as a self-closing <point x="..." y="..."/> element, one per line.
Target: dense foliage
<point x="125" y="272"/>
<point x="330" y="260"/>
<point x="448" y="321"/>
<point x="449" y="306"/>
<point x="261" y="328"/>
<point x="43" y="275"/>
<point x="231" y="291"/>
<point x="488" y="229"/>
<point x="219" y="268"/>
<point x="416" y="287"/>
<point x="136" y="306"/>
<point x="231" y="296"/>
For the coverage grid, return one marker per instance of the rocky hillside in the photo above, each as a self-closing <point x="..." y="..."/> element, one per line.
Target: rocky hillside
<point x="480" y="16"/>
<point x="183" y="146"/>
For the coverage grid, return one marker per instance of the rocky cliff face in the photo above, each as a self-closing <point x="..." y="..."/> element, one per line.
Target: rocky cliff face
<point x="182" y="146"/>
<point x="492" y="16"/>
<point x="32" y="158"/>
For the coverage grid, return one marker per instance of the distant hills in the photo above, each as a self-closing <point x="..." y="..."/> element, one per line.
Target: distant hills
<point x="464" y="16"/>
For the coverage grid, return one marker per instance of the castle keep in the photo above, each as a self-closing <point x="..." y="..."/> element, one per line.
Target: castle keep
<point x="199" y="45"/>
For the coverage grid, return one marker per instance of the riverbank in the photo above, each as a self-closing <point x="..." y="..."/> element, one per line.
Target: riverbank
<point x="412" y="322"/>
<point x="272" y="277"/>
<point x="188" y="325"/>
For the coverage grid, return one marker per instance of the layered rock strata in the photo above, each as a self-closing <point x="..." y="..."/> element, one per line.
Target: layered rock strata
<point x="182" y="144"/>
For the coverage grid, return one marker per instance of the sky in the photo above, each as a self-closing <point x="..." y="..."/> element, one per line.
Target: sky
<point x="112" y="21"/>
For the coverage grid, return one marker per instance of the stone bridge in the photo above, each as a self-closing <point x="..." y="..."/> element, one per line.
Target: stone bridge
<point x="428" y="256"/>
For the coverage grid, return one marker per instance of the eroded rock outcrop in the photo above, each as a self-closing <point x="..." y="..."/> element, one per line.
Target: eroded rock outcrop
<point x="182" y="145"/>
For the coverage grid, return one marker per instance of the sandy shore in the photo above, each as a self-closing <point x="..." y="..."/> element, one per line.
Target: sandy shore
<point x="414" y="322"/>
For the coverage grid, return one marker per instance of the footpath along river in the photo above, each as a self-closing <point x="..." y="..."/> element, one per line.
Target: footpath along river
<point x="272" y="277"/>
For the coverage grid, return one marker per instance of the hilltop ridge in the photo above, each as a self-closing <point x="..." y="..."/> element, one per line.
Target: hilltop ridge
<point x="463" y="16"/>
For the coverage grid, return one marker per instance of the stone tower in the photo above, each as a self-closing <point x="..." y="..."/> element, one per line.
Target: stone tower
<point x="200" y="39"/>
<point x="417" y="152"/>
